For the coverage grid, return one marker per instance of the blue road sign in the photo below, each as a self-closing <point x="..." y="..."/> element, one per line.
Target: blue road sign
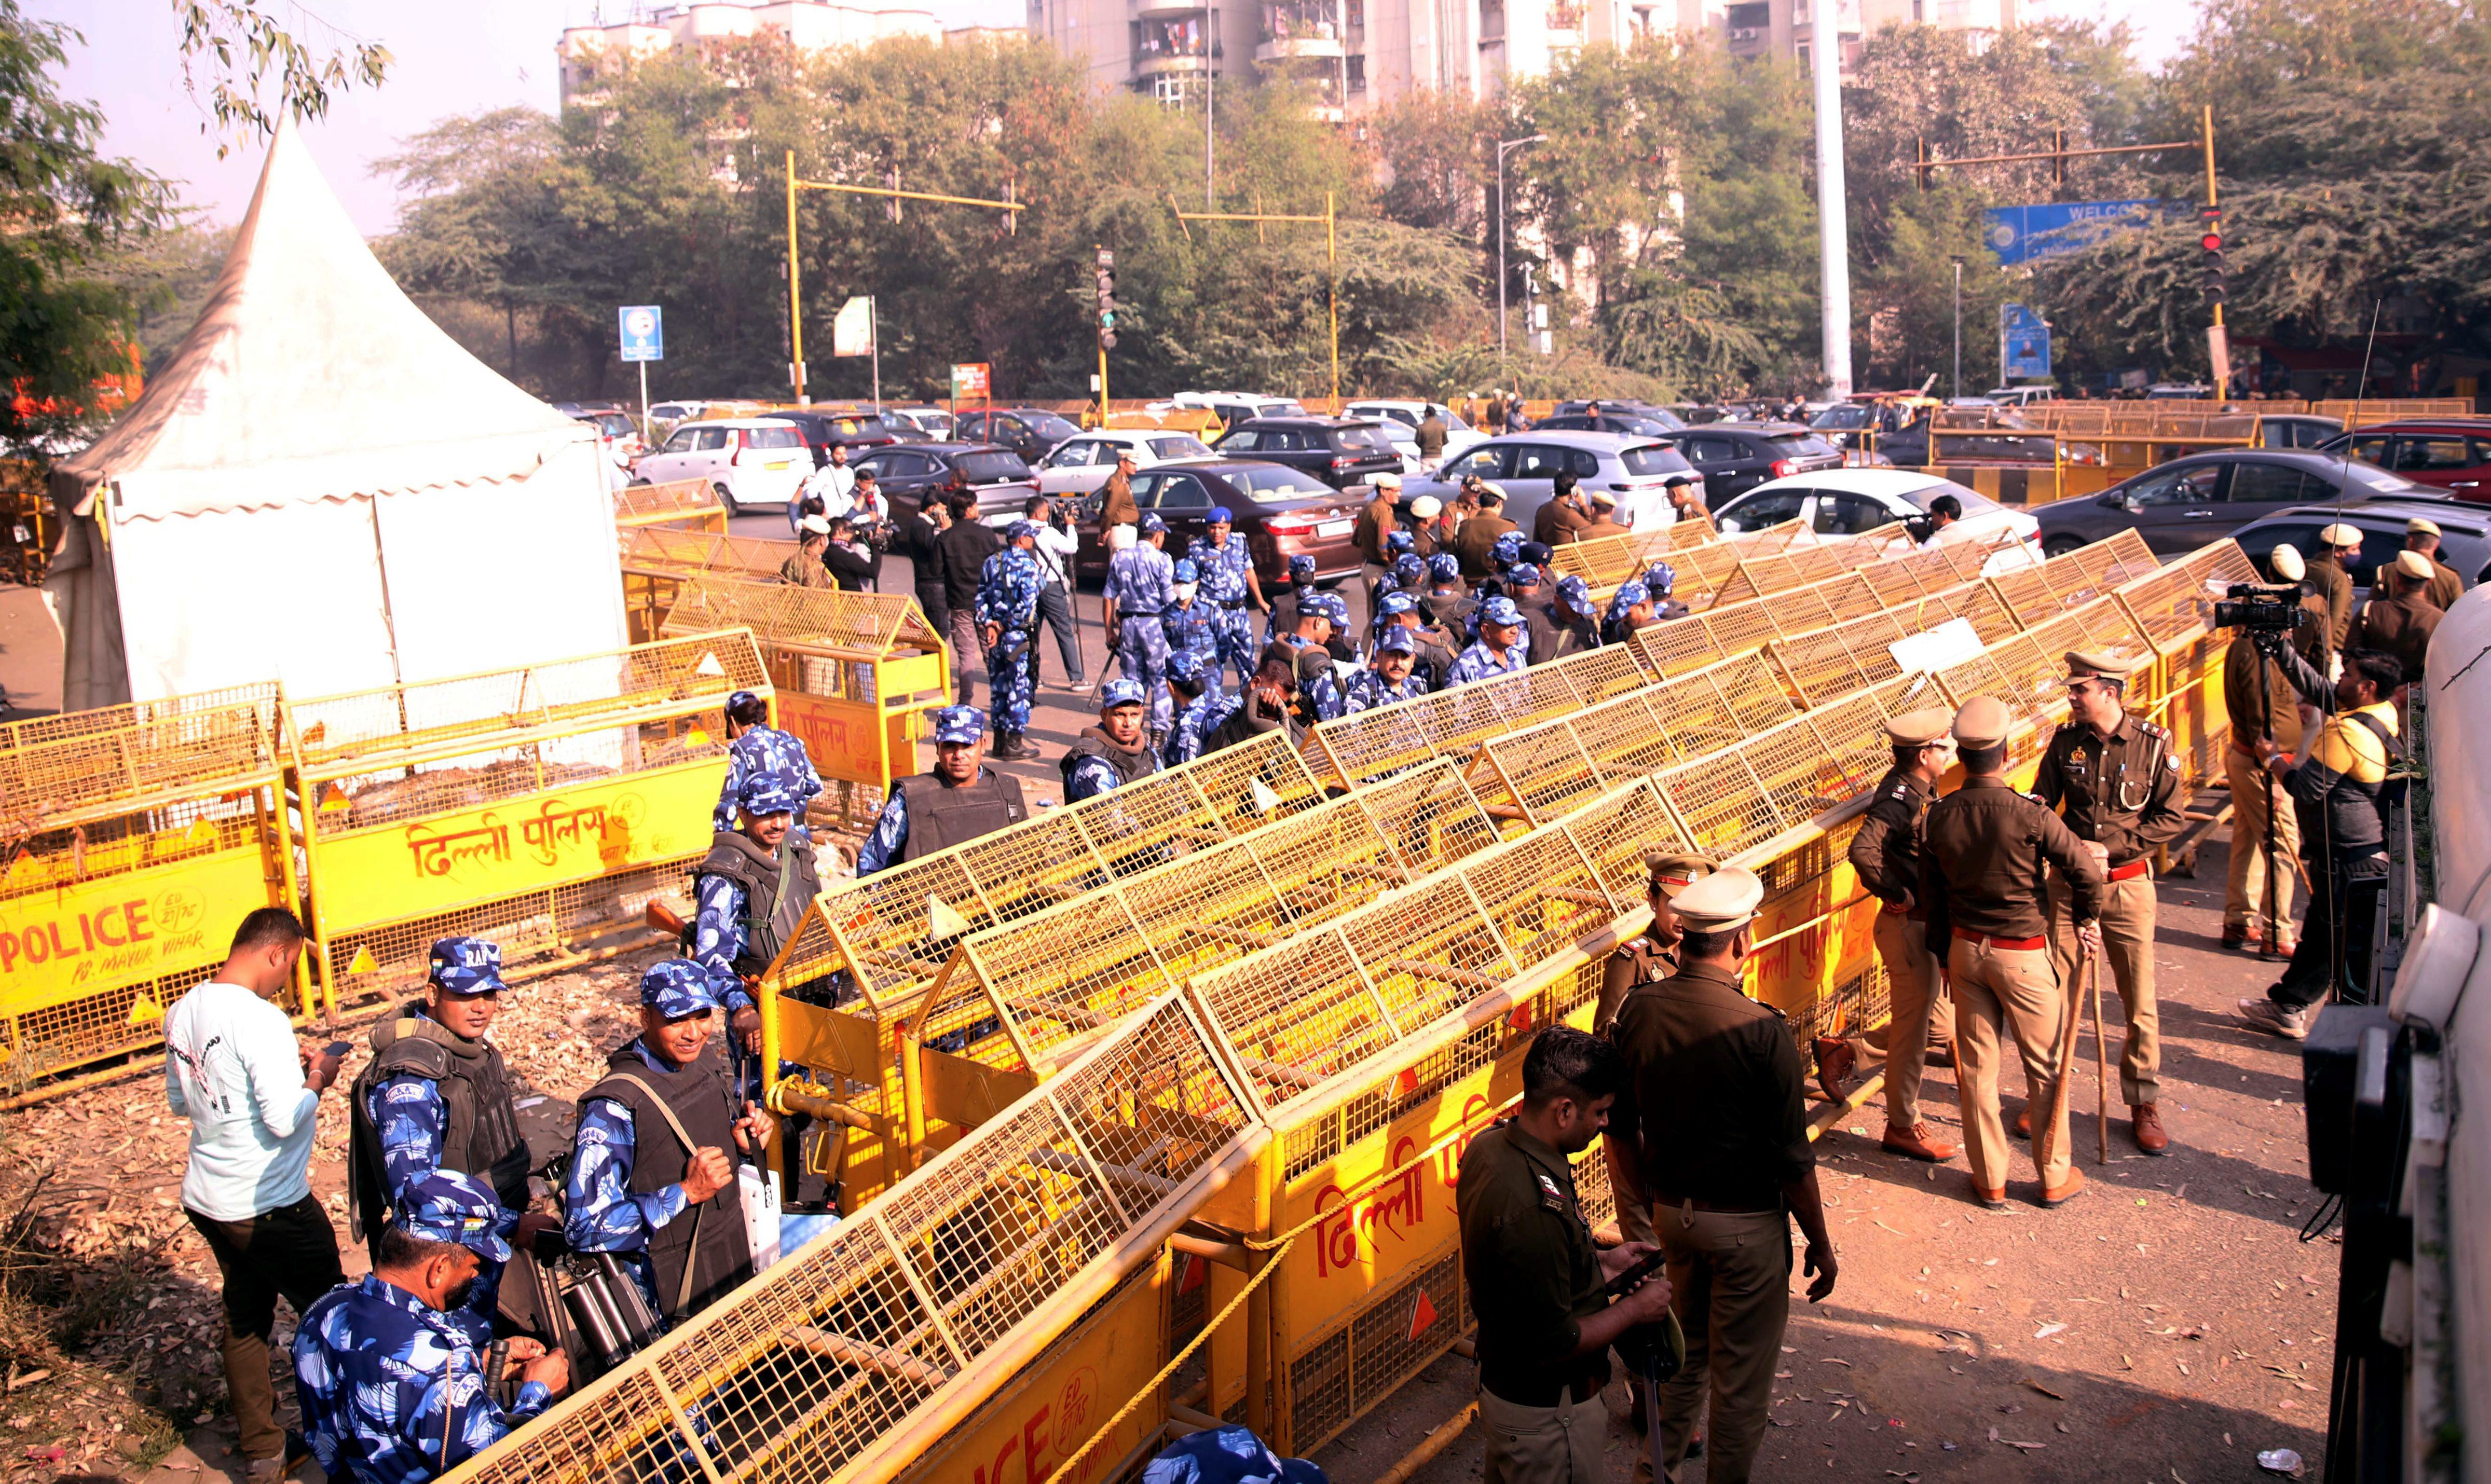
<point x="2023" y="343"/>
<point x="2023" y="234"/>
<point x="644" y="333"/>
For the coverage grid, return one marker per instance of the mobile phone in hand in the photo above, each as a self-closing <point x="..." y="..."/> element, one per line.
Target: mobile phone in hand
<point x="336" y="1051"/>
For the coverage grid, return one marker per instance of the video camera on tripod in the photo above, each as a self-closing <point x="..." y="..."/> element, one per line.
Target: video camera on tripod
<point x="2268" y="613"/>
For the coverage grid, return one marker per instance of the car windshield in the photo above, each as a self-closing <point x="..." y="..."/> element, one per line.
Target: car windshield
<point x="1049" y="426"/>
<point x="859" y="427"/>
<point x="1281" y="409"/>
<point x="1799" y="445"/>
<point x="1270" y="487"/>
<point x="1371" y="439"/>
<point x="779" y="437"/>
<point x="1179" y="446"/>
<point x="1974" y="502"/>
<point x="992" y="466"/>
<point x="1653" y="458"/>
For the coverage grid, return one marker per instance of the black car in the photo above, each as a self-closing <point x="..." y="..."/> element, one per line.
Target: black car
<point x="824" y="430"/>
<point x="1027" y="431"/>
<point x="2464" y="533"/>
<point x="1735" y="457"/>
<point x="1623" y="408"/>
<point x="909" y="473"/>
<point x="2186" y="504"/>
<point x="1340" y="452"/>
<point x="1608" y="421"/>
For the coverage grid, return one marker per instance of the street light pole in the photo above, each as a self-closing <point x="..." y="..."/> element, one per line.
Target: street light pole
<point x="1501" y="146"/>
<point x="1958" y="327"/>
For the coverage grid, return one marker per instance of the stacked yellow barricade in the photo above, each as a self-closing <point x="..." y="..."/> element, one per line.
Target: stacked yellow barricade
<point x="542" y="807"/>
<point x="854" y="673"/>
<point x="1346" y="1065"/>
<point x="681" y="505"/>
<point x="657" y="559"/>
<point x="135" y="838"/>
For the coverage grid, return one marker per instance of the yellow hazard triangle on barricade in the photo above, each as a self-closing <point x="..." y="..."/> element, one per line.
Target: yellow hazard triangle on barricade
<point x="942" y="919"/>
<point x="145" y="1010"/>
<point x="363" y="962"/>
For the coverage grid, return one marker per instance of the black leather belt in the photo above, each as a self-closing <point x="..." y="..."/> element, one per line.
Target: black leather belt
<point x="1139" y="613"/>
<point x="1228" y="603"/>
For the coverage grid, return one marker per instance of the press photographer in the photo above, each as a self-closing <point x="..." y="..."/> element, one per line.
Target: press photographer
<point x="2266" y="721"/>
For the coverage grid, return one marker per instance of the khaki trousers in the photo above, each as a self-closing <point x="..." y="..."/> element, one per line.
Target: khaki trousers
<point x="2013" y="987"/>
<point x="1729" y="1279"/>
<point x="2257" y="795"/>
<point x="1918" y="1003"/>
<point x="2127" y="942"/>
<point x="1557" y="1444"/>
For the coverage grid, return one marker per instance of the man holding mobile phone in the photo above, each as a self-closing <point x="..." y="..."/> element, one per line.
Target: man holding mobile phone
<point x="234" y="1069"/>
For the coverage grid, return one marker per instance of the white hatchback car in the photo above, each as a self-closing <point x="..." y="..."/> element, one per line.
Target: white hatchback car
<point x="1846" y="501"/>
<point x="1080" y="465"/>
<point x="750" y="461"/>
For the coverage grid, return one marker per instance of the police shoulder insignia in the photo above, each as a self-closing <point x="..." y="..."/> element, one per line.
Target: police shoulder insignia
<point x="1550" y="1196"/>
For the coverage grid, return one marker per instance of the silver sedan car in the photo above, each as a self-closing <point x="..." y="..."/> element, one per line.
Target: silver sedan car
<point x="1079" y="465"/>
<point x="1526" y="464"/>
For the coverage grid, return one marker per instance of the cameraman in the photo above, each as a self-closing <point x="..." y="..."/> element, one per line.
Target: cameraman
<point x="1057" y="543"/>
<point x="2266" y="833"/>
<point x="2343" y="832"/>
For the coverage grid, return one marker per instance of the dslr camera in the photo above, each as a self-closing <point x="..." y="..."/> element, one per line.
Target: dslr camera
<point x="2267" y="614"/>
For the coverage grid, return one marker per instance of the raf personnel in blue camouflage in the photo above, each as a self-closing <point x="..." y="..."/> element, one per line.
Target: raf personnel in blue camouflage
<point x="753" y="746"/>
<point x="1191" y="622"/>
<point x="1283" y="618"/>
<point x="1390" y="675"/>
<point x="1230" y="585"/>
<point x="1008" y="585"/>
<point x="1116" y="751"/>
<point x="1629" y="609"/>
<point x="748" y="894"/>
<point x="670" y="1214"/>
<point x="394" y="1391"/>
<point x="1659" y="580"/>
<point x="436" y="1096"/>
<point x="1320" y="617"/>
<point x="1140" y="589"/>
<point x="1431" y="648"/>
<point x="959" y="801"/>
<point x="1200" y="706"/>
<point x="1498" y="650"/>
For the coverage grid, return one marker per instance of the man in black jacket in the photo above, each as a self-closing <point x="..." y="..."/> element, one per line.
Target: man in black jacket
<point x="1271" y="703"/>
<point x="920" y="537"/>
<point x="963" y="550"/>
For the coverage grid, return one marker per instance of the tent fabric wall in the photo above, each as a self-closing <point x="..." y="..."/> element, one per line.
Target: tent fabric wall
<point x="322" y="487"/>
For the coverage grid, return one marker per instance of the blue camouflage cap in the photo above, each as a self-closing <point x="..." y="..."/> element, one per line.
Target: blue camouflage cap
<point x="1500" y="611"/>
<point x="677" y="987"/>
<point x="1152" y="523"/>
<point x="1576" y="591"/>
<point x="1628" y="595"/>
<point x="1395" y="604"/>
<point x="1400" y="541"/>
<point x="467" y="966"/>
<point x="1302" y="565"/>
<point x="1445" y="567"/>
<point x="1117" y="693"/>
<point x="1020" y="528"/>
<point x="770" y="790"/>
<point x="1661" y="577"/>
<point x="1523" y="575"/>
<point x="1186" y="571"/>
<point x="1186" y="665"/>
<point x="1220" y="516"/>
<point x="1408" y="569"/>
<point x="1336" y="608"/>
<point x="1507" y="549"/>
<point x="448" y="1206"/>
<point x="1396" y="640"/>
<point x="736" y="698"/>
<point x="959" y="724"/>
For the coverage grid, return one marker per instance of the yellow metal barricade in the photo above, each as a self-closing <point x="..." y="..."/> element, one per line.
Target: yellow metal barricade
<point x="133" y="840"/>
<point x="855" y="672"/>
<point x="681" y="505"/>
<point x="540" y="807"/>
<point x="656" y="559"/>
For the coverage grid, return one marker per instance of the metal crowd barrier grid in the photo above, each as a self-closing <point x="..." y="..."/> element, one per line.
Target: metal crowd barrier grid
<point x="654" y="560"/>
<point x="854" y="673"/>
<point x="539" y="806"/>
<point x="1363" y="1051"/>
<point x="131" y="838"/>
<point x="1370" y="745"/>
<point x="1699" y="639"/>
<point x="684" y="505"/>
<point x="1701" y="555"/>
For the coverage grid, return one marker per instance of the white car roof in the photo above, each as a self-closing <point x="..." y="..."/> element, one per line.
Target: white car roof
<point x="1877" y="483"/>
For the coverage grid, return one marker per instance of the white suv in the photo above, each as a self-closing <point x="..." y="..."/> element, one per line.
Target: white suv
<point x="750" y="461"/>
<point x="1080" y="465"/>
<point x="1401" y="420"/>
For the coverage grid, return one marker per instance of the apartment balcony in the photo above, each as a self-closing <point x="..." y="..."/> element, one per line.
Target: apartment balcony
<point x="1171" y="10"/>
<point x="1564" y="17"/>
<point x="1166" y="64"/>
<point x="1300" y="30"/>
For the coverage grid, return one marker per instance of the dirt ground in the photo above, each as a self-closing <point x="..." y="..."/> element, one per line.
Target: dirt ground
<point x="2166" y="1326"/>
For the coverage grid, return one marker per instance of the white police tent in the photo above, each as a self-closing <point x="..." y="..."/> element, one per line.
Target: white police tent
<point x="324" y="489"/>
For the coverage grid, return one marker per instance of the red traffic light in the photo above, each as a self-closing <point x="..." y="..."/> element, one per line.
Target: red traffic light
<point x="2213" y="241"/>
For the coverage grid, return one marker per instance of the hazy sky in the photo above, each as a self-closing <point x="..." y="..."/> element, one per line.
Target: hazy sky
<point x="465" y="56"/>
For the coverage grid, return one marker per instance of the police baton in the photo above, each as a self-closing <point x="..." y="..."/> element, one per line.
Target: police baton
<point x="2101" y="1057"/>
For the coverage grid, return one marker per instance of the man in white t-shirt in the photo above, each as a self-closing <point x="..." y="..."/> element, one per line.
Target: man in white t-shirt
<point x="250" y="1092"/>
<point x="1058" y="543"/>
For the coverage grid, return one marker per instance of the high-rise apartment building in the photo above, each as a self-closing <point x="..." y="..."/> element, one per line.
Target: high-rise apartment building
<point x="585" y="52"/>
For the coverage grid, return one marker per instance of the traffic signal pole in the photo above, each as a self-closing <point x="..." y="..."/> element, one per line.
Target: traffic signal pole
<point x="2218" y="340"/>
<point x="1332" y="261"/>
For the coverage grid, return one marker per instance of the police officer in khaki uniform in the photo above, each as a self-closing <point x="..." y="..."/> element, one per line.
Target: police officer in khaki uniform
<point x="1535" y="1278"/>
<point x="2330" y="578"/>
<point x="2115" y="781"/>
<point x="1981" y="881"/>
<point x="1653" y="952"/>
<point x="2398" y="619"/>
<point x="1886" y="853"/>
<point x="2421" y="534"/>
<point x="1715" y="1114"/>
